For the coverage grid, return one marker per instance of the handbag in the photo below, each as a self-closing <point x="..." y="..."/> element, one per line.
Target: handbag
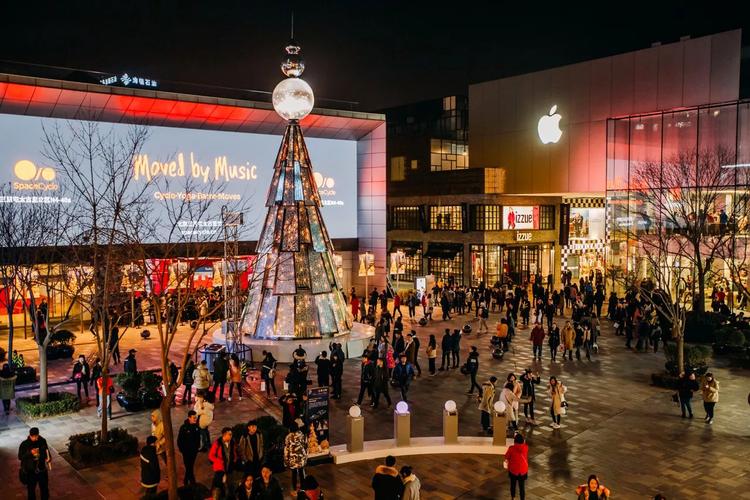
<point x="616" y="325"/>
<point x="524" y="400"/>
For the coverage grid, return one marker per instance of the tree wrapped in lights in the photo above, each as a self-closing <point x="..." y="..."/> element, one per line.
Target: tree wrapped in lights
<point x="296" y="291"/>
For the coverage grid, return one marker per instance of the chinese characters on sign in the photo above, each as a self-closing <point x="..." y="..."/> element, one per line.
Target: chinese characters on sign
<point x="128" y="80"/>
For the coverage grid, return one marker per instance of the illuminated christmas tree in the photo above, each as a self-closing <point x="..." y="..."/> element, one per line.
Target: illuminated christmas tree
<point x="295" y="291"/>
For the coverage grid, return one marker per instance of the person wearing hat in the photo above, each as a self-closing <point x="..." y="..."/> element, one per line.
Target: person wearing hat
<point x="130" y="365"/>
<point x="403" y="374"/>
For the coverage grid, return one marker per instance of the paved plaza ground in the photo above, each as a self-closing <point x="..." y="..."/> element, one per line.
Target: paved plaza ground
<point x="618" y="426"/>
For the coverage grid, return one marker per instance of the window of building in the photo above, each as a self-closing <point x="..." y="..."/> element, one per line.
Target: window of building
<point x="494" y="180"/>
<point x="414" y="164"/>
<point x="449" y="103"/>
<point x="448" y="155"/>
<point x="486" y="217"/>
<point x="446" y="218"/>
<point x="486" y="264"/>
<point x="412" y="264"/>
<point x="398" y="168"/>
<point x="446" y="269"/>
<point x="405" y="218"/>
<point x="547" y="217"/>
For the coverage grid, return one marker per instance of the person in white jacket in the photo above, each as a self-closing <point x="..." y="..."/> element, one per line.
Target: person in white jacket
<point x="205" y="412"/>
<point x="509" y="397"/>
<point x="412" y="485"/>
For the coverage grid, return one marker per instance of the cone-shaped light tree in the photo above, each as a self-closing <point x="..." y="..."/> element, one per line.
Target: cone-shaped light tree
<point x="295" y="291"/>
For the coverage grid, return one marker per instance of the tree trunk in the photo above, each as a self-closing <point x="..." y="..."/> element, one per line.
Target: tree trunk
<point x="680" y="352"/>
<point x="42" y="373"/>
<point x="103" y="402"/>
<point x="699" y="303"/>
<point x="10" y="337"/>
<point x="166" y="418"/>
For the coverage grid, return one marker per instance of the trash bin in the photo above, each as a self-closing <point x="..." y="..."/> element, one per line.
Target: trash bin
<point x="209" y="353"/>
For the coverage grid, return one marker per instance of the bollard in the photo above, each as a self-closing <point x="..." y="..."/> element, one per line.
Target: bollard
<point x="402" y="424"/>
<point x="450" y="427"/>
<point x="499" y="429"/>
<point x="355" y="434"/>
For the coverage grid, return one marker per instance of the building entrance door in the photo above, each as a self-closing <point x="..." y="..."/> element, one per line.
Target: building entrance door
<point x="520" y="262"/>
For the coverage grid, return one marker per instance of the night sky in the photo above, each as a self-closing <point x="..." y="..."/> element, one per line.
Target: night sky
<point x="379" y="54"/>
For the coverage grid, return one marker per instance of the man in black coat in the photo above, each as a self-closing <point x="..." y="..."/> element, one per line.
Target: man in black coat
<point x="34" y="456"/>
<point x="446" y="346"/>
<point x="386" y="483"/>
<point x="189" y="442"/>
<point x="221" y="367"/>
<point x="456" y="347"/>
<point x="367" y="374"/>
<point x="150" y="471"/>
<point x="130" y="365"/>
<point x="324" y="369"/>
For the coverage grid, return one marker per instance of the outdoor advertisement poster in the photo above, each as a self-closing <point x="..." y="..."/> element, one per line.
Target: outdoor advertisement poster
<point x="317" y="421"/>
<point x="520" y="217"/>
<point x="587" y="223"/>
<point x="398" y="263"/>
<point x="366" y="264"/>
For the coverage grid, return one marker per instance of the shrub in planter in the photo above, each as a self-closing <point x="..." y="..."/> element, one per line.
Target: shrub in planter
<point x="58" y="403"/>
<point x="25" y="375"/>
<point x="701" y="328"/>
<point x="696" y="358"/>
<point x="60" y="346"/>
<point x="2" y="354"/>
<point x="149" y="390"/>
<point x="128" y="398"/>
<point x="88" y="449"/>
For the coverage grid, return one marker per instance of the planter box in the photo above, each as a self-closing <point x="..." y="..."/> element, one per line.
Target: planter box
<point x="130" y="404"/>
<point x="86" y="449"/>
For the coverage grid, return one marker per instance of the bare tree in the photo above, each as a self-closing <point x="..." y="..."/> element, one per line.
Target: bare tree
<point x="682" y="221"/>
<point x="94" y="163"/>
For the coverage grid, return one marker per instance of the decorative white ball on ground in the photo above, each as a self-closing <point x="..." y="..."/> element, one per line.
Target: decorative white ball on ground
<point x="402" y="407"/>
<point x="355" y="411"/>
<point x="499" y="407"/>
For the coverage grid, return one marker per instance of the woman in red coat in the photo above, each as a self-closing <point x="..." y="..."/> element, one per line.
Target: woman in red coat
<point x="517" y="463"/>
<point x="354" y="302"/>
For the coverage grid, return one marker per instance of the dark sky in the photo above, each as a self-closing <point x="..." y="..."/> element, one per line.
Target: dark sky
<point x="377" y="53"/>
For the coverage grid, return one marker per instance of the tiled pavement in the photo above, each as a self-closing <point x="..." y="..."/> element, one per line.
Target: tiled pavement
<point x="618" y="427"/>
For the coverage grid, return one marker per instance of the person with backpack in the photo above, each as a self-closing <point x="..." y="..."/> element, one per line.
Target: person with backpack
<point x="201" y="378"/>
<point x="517" y="463"/>
<point x="403" y="374"/>
<point x="484" y="314"/>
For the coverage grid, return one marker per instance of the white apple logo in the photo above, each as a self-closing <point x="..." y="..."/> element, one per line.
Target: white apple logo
<point x="549" y="126"/>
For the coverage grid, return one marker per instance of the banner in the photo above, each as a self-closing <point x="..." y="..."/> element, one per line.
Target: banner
<point x="366" y="264"/>
<point x="520" y="217"/>
<point x="317" y="421"/>
<point x="564" y="224"/>
<point x="398" y="263"/>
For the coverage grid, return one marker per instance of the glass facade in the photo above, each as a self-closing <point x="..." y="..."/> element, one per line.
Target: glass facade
<point x="446" y="218"/>
<point x="674" y="172"/>
<point x="486" y="218"/>
<point x="447" y="270"/>
<point x="405" y="218"/>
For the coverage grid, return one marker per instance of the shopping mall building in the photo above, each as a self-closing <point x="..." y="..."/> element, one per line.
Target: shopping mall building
<point x="233" y="140"/>
<point x="530" y="174"/>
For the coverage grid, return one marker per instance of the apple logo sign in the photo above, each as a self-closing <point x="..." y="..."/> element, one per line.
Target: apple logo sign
<point x="549" y="126"/>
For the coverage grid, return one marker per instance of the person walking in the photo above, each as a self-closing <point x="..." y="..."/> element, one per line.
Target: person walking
<point x="157" y="430"/>
<point x="366" y="377"/>
<point x="417" y="345"/>
<point x="411" y="483"/>
<point x="222" y="457"/>
<point x="96" y="374"/>
<point x="385" y="483"/>
<point x="105" y="395"/>
<point x="556" y="391"/>
<point x="553" y="341"/>
<point x="446" y="345"/>
<point x="35" y="459"/>
<point x="295" y="453"/>
<point x="472" y="367"/>
<point x="380" y="384"/>
<point x="251" y="450"/>
<point x="268" y="373"/>
<point x="484" y="314"/>
<point x="202" y="379"/>
<point x="205" y="412"/>
<point x="568" y="340"/>
<point x="403" y="374"/>
<point x="710" y="393"/>
<point x="187" y="381"/>
<point x="456" y="347"/>
<point x="537" y="340"/>
<point x="81" y="375"/>
<point x="486" y="403"/>
<point x="528" y="394"/>
<point x="7" y="387"/>
<point x="431" y="354"/>
<point x="221" y="369"/>
<point x="517" y="463"/>
<point x="686" y="386"/>
<point x="189" y="442"/>
<point x="235" y="377"/>
<point x="150" y="470"/>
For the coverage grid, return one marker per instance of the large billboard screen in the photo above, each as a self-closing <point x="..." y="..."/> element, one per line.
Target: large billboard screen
<point x="237" y="166"/>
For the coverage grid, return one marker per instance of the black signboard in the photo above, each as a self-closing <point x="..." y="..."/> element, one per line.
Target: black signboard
<point x="564" y="223"/>
<point x="318" y="421"/>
